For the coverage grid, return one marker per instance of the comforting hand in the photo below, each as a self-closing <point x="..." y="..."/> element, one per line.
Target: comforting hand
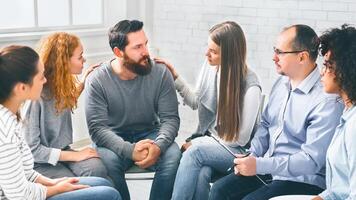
<point x="140" y="151"/>
<point x="86" y="154"/>
<point x="88" y="71"/>
<point x="81" y="83"/>
<point x="153" y="154"/>
<point x="168" y="65"/>
<point x="185" y="146"/>
<point x="317" y="198"/>
<point x="245" y="166"/>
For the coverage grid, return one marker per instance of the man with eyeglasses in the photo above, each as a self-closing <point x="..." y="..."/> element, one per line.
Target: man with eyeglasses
<point x="289" y="147"/>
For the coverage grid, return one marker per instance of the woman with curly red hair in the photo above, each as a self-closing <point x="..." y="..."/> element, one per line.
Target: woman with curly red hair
<point x="50" y="124"/>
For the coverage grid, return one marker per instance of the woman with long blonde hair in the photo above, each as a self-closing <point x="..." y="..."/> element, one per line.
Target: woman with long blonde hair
<point x="50" y="125"/>
<point x="227" y="99"/>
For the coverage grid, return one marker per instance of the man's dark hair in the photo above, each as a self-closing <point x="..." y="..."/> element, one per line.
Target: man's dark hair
<point x="341" y="42"/>
<point x="305" y="39"/>
<point x="118" y="33"/>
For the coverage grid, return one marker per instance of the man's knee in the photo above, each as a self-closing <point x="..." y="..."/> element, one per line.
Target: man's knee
<point x="98" y="168"/>
<point x="172" y="154"/>
<point x="107" y="155"/>
<point x="90" y="167"/>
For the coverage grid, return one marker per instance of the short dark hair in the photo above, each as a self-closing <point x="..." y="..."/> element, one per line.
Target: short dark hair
<point x="305" y="39"/>
<point x="118" y="33"/>
<point x="17" y="64"/>
<point x="341" y="42"/>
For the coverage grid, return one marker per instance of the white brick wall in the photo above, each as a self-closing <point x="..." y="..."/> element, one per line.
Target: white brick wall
<point x="180" y="28"/>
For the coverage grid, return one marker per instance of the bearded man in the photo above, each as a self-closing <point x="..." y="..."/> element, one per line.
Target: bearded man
<point x="132" y="112"/>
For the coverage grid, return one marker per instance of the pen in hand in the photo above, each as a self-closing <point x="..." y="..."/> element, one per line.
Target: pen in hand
<point x="233" y="165"/>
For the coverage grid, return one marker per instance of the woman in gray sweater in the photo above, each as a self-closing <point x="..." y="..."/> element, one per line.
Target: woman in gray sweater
<point x="227" y="98"/>
<point x="49" y="129"/>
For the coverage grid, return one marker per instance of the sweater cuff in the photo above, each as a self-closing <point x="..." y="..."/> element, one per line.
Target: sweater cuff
<point x="264" y="165"/>
<point x="179" y="83"/>
<point x="54" y="156"/>
<point x="161" y="144"/>
<point x="127" y="150"/>
<point x="34" y="176"/>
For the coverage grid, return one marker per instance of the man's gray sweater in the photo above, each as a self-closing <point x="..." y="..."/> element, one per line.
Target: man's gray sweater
<point x="115" y="106"/>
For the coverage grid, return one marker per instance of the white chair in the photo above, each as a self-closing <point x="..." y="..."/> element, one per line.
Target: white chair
<point x="293" y="197"/>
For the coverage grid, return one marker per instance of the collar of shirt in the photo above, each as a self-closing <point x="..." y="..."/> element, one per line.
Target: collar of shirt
<point x="348" y="113"/>
<point x="307" y="84"/>
<point x="5" y="113"/>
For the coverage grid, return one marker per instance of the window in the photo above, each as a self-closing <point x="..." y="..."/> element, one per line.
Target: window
<point x="38" y="15"/>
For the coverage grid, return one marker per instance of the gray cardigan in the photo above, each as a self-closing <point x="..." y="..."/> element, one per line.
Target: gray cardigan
<point x="47" y="132"/>
<point x="205" y="97"/>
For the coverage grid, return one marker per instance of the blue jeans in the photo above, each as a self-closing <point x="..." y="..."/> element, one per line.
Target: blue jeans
<point x="250" y="188"/>
<point x="196" y="168"/>
<point x="100" y="189"/>
<point x="165" y="168"/>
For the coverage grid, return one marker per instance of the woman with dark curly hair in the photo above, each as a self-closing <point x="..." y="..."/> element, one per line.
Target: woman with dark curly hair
<point x="338" y="46"/>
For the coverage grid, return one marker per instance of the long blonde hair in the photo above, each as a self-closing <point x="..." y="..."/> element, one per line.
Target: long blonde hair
<point x="55" y="52"/>
<point x="231" y="39"/>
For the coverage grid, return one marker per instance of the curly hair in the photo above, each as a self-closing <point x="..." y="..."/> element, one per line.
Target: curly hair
<point x="342" y="46"/>
<point x="55" y="52"/>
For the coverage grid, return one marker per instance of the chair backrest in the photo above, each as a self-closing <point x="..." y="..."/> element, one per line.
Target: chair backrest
<point x="258" y="119"/>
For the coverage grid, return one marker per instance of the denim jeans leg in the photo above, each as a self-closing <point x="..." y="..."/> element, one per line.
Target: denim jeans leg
<point x="166" y="169"/>
<point x="95" y="181"/>
<point x="116" y="167"/>
<point x="203" y="184"/>
<point x="203" y="152"/>
<point x="100" y="190"/>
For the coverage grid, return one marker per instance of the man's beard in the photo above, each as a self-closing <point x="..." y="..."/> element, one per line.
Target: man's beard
<point x="136" y="67"/>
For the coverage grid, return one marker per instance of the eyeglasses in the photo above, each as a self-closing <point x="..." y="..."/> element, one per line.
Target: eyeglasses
<point x="280" y="52"/>
<point x="327" y="67"/>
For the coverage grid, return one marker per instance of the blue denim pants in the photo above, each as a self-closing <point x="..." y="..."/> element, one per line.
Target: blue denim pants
<point x="165" y="168"/>
<point x="196" y="168"/>
<point x="100" y="189"/>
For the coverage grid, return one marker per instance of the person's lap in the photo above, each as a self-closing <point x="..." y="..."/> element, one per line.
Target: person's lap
<point x="57" y="171"/>
<point x="235" y="187"/>
<point x="278" y="188"/>
<point x="166" y="166"/>
<point x="250" y="188"/>
<point x="100" y="189"/>
<point x="88" y="167"/>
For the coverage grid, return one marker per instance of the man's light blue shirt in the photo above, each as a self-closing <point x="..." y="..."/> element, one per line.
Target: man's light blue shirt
<point x="341" y="160"/>
<point x="296" y="128"/>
